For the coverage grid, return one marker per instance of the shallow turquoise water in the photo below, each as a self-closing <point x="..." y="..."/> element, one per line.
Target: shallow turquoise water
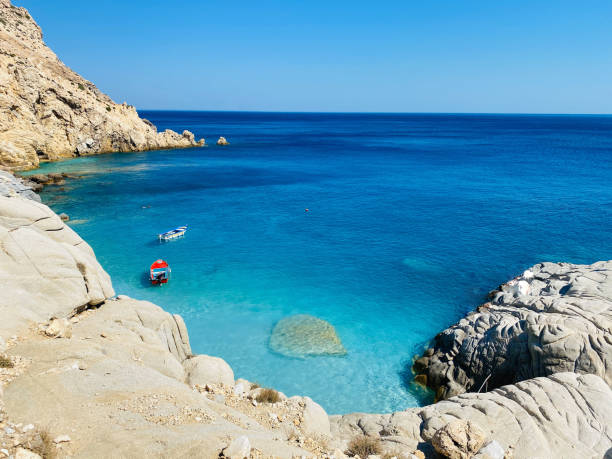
<point x="412" y="220"/>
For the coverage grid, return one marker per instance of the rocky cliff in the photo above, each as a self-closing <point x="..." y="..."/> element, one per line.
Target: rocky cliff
<point x="553" y="318"/>
<point x="84" y="373"/>
<point x="47" y="111"/>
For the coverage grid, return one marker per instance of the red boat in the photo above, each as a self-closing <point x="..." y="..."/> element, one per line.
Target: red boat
<point x="160" y="272"/>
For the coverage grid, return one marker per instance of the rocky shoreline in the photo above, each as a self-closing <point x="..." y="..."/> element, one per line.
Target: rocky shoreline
<point x="90" y="372"/>
<point x="49" y="112"/>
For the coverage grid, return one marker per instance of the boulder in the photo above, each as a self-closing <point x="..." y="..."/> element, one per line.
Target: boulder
<point x="239" y="448"/>
<point x="59" y="328"/>
<point x="222" y="141"/>
<point x="315" y="420"/>
<point x="204" y="369"/>
<point x="458" y="439"/>
<point x="303" y="335"/>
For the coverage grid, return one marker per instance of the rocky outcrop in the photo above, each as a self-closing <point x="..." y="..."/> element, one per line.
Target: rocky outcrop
<point x="47" y="111"/>
<point x="564" y="415"/>
<point x="303" y="335"/>
<point x="83" y="372"/>
<point x="45" y="267"/>
<point x="555" y="317"/>
<point x="12" y="186"/>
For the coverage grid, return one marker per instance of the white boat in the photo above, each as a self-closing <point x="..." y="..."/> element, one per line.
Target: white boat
<point x="173" y="234"/>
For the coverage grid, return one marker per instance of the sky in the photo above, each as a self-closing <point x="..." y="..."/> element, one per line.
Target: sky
<point x="491" y="56"/>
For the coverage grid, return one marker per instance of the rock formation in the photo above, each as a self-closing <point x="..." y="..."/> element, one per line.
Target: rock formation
<point x="84" y="373"/>
<point x="303" y="335"/>
<point x="555" y="317"/>
<point x="47" y="111"/>
<point x="565" y="415"/>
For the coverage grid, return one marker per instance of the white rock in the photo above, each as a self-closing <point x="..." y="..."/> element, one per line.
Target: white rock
<point x="204" y="369"/>
<point x="492" y="450"/>
<point x="315" y="418"/>
<point x="23" y="453"/>
<point x="239" y="390"/>
<point x="59" y="328"/>
<point x="27" y="427"/>
<point x="239" y="448"/>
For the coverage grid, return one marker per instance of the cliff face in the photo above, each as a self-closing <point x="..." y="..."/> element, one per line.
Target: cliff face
<point x="47" y="111"/>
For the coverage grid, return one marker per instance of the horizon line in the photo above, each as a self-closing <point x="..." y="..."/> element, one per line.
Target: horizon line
<point x="369" y="113"/>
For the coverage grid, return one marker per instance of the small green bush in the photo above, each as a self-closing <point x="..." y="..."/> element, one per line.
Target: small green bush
<point x="364" y="446"/>
<point x="268" y="396"/>
<point x="108" y="109"/>
<point x="81" y="87"/>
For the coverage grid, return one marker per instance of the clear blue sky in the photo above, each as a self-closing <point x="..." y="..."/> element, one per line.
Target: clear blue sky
<point x="536" y="56"/>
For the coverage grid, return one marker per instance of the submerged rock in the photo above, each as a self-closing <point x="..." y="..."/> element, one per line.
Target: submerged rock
<point x="303" y="335"/>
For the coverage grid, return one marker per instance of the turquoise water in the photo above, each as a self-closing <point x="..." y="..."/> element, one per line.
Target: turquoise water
<point x="412" y="220"/>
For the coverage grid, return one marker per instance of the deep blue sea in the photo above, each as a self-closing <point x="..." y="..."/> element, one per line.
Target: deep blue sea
<point x="412" y="220"/>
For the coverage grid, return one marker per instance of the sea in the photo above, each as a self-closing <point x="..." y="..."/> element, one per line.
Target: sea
<point x="391" y="227"/>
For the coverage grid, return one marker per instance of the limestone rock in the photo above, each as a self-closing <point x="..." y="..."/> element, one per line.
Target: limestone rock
<point x="204" y="369"/>
<point x="59" y="328"/>
<point x="50" y="112"/>
<point x="23" y="453"/>
<point x="303" y="335"/>
<point x="555" y="317"/>
<point x="458" y="439"/>
<point x="315" y="418"/>
<point x="240" y="448"/>
<point x="541" y="417"/>
<point x="222" y="141"/>
<point x="492" y="450"/>
<point x="45" y="267"/>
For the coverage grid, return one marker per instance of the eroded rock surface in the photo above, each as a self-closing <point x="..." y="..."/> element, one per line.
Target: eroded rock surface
<point x="46" y="269"/>
<point x="564" y="415"/>
<point x="47" y="111"/>
<point x="555" y="317"/>
<point x="303" y="335"/>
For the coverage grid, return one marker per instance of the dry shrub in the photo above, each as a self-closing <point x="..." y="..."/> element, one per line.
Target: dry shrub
<point x="364" y="446"/>
<point x="5" y="362"/>
<point x="268" y="396"/>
